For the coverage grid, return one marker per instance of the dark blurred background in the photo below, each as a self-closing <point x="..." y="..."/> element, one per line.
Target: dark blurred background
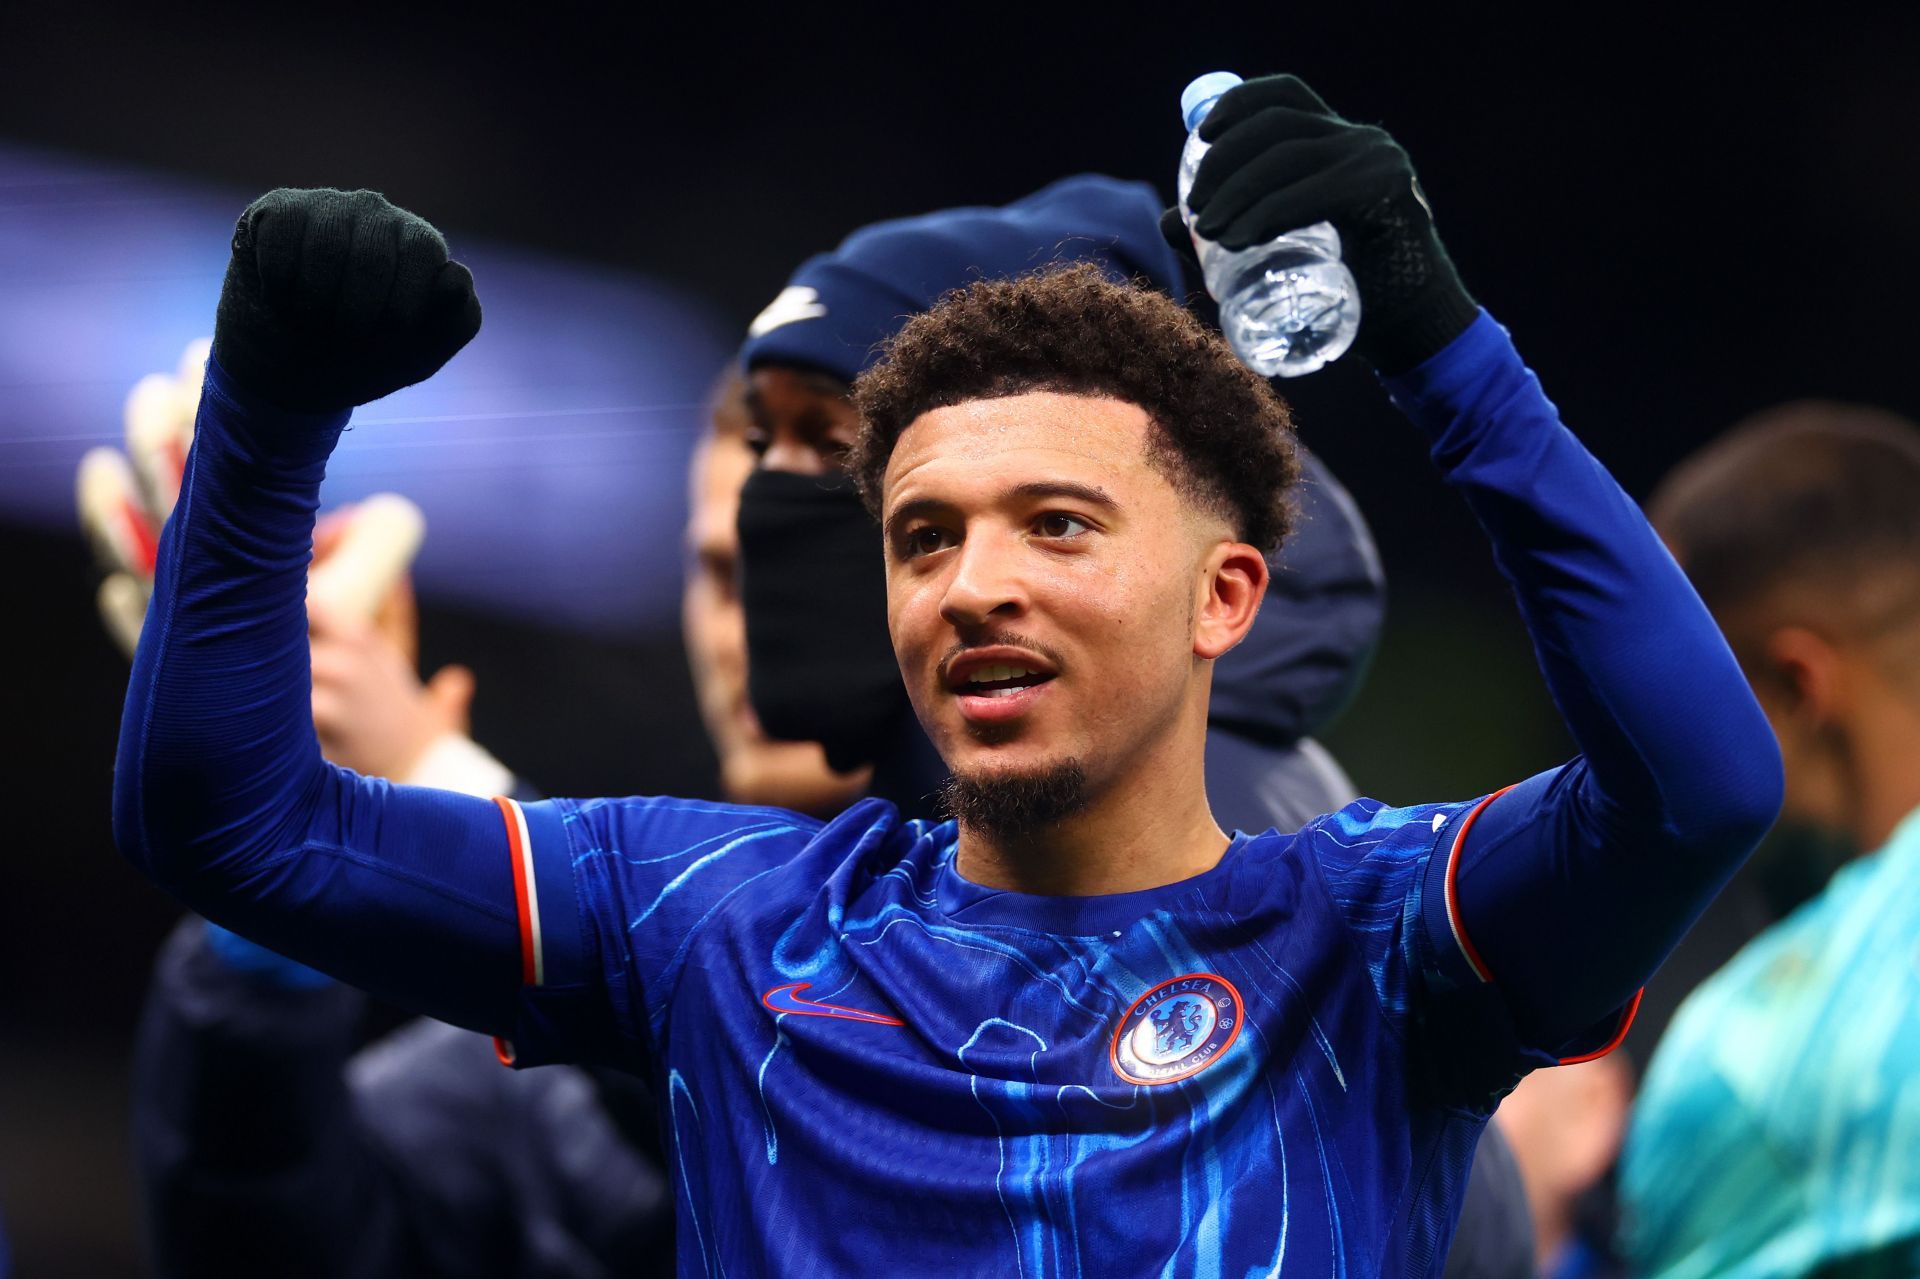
<point x="1683" y="214"/>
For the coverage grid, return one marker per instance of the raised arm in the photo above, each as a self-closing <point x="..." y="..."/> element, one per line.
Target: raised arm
<point x="332" y="299"/>
<point x="1567" y="891"/>
<point x="1570" y="889"/>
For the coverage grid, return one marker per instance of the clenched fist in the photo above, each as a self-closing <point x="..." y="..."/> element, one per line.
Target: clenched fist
<point x="334" y="298"/>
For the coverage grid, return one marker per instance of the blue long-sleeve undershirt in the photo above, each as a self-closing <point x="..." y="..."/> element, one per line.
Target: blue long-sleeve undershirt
<point x="220" y="792"/>
<point x="1575" y="884"/>
<point x="1572" y="886"/>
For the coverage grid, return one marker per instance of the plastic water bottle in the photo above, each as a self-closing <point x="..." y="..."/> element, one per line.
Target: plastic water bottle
<point x="1288" y="306"/>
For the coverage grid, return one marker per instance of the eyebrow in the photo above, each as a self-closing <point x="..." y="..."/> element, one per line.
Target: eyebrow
<point x="1091" y="494"/>
<point x="814" y="417"/>
<point x="1032" y="490"/>
<point x="827" y="384"/>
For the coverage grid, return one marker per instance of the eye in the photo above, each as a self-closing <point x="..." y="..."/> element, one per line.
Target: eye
<point x="1061" y="526"/>
<point x="758" y="441"/>
<point x="925" y="540"/>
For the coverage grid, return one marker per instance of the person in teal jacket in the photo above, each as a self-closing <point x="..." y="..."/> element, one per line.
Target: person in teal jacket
<point x="1778" y="1132"/>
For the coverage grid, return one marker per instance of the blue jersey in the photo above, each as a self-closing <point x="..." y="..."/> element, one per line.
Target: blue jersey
<point x="896" y="1069"/>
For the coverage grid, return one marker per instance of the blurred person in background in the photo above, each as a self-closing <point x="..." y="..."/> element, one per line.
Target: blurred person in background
<point x="1778" y="1129"/>
<point x="815" y="590"/>
<point x="754" y="768"/>
<point x="1566" y="1127"/>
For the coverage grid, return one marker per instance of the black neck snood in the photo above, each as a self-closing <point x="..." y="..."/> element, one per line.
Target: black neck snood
<point x="813" y="583"/>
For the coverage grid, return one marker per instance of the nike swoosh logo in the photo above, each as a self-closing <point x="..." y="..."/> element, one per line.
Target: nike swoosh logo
<point x="786" y="999"/>
<point x="794" y="303"/>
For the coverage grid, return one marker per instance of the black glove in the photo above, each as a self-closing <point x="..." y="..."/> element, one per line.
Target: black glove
<point x="1281" y="160"/>
<point x="334" y="298"/>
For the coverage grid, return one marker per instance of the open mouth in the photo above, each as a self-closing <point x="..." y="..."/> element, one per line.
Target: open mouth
<point x="1000" y="680"/>
<point x="998" y="685"/>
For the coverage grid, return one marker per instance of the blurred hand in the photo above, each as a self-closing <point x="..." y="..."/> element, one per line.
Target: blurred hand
<point x="1566" y="1126"/>
<point x="396" y="619"/>
<point x="370" y="709"/>
<point x="125" y="497"/>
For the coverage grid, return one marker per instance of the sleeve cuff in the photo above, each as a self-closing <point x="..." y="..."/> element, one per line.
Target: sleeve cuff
<point x="1467" y="393"/>
<point x="1460" y="970"/>
<point x="1453" y="951"/>
<point x="262" y="431"/>
<point x="562" y="1001"/>
<point x="1433" y="320"/>
<point x="1444" y="373"/>
<point x="552" y="943"/>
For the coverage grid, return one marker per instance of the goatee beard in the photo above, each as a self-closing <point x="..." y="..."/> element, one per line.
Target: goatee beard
<point x="1014" y="806"/>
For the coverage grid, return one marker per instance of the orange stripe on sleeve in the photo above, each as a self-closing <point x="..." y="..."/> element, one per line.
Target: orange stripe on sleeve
<point x="1479" y="965"/>
<point x="1465" y="943"/>
<point x="522" y="870"/>
<point x="1619" y="1036"/>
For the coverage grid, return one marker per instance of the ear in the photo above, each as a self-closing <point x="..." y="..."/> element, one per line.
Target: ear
<point x="1809" y="671"/>
<point x="1233" y="581"/>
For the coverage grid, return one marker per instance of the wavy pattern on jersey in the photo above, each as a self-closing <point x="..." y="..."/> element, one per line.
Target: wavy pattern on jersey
<point x="862" y="1146"/>
<point x="680" y="1101"/>
<point x="1205" y="1211"/>
<point x="1020" y="1182"/>
<point x="1270" y="967"/>
<point x="705" y="859"/>
<point x="1378" y="895"/>
<point x="1038" y="1166"/>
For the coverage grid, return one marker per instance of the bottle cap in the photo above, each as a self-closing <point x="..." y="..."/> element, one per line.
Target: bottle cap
<point x="1198" y="97"/>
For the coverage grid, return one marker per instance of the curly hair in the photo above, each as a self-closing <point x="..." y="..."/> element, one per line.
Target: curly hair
<point x="1219" y="433"/>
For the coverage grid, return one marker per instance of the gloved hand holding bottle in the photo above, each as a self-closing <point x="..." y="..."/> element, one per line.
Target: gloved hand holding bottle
<point x="1288" y="305"/>
<point x="1271" y="170"/>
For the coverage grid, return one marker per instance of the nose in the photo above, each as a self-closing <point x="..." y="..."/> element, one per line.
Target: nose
<point x="799" y="454"/>
<point x="986" y="586"/>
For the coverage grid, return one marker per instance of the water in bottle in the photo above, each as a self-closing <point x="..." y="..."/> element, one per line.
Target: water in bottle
<point x="1288" y="306"/>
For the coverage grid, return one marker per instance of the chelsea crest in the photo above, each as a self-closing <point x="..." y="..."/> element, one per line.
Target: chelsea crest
<point x="1177" y="1029"/>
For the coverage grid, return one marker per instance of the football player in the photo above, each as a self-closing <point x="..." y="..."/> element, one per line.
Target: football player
<point x="1079" y="1029"/>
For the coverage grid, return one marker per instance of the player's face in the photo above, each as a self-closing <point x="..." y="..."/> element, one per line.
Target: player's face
<point x="1042" y="584"/>
<point x="800" y="421"/>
